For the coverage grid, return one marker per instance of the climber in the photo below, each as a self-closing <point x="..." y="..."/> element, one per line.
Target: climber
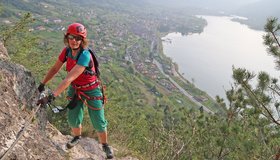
<point x="84" y="87"/>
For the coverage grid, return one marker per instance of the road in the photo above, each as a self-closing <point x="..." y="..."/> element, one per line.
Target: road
<point x="182" y="90"/>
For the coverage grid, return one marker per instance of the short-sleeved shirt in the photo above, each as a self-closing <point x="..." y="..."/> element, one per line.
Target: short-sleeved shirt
<point x="83" y="60"/>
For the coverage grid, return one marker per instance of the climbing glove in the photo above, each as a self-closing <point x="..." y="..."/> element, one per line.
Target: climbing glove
<point x="41" y="87"/>
<point x="47" y="99"/>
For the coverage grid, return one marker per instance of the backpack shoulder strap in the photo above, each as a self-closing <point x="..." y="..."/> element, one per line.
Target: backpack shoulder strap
<point x="68" y="51"/>
<point x="79" y="54"/>
<point x="66" y="54"/>
<point x="94" y="57"/>
<point x="95" y="61"/>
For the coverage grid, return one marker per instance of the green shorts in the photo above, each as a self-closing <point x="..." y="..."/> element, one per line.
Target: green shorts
<point x="76" y="115"/>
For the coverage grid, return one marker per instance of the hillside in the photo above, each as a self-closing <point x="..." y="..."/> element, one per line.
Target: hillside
<point x="126" y="38"/>
<point x="126" y="50"/>
<point x="153" y="112"/>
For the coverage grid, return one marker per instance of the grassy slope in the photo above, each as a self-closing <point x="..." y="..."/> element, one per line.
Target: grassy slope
<point x="130" y="98"/>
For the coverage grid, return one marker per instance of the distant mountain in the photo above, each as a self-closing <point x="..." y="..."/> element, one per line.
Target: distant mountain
<point x="223" y="5"/>
<point x="258" y="12"/>
<point x="261" y="9"/>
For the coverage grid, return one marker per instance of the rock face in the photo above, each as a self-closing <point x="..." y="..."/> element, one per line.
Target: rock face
<point x="3" y="52"/>
<point x="17" y="102"/>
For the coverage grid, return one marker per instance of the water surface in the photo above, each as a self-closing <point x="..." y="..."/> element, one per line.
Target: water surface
<point x="207" y="58"/>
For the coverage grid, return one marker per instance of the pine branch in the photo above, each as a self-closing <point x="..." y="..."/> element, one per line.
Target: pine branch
<point x="277" y="86"/>
<point x="274" y="90"/>
<point x="275" y="38"/>
<point x="256" y="98"/>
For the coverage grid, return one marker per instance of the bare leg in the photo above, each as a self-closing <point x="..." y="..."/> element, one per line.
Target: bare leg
<point x="77" y="131"/>
<point x="102" y="136"/>
<point x="103" y="140"/>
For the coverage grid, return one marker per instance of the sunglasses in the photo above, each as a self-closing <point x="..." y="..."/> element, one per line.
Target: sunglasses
<point x="72" y="37"/>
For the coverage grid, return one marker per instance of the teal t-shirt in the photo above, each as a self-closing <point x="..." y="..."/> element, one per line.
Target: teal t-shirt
<point x="84" y="58"/>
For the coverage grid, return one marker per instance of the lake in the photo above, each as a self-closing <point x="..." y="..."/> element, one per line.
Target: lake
<point x="207" y="58"/>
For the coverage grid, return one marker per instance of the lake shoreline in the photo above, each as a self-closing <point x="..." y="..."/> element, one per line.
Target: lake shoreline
<point x="237" y="52"/>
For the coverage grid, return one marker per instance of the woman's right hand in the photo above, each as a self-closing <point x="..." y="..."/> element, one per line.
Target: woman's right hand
<point x="41" y="87"/>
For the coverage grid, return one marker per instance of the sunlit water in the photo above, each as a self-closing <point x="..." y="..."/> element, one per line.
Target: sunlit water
<point x="207" y="58"/>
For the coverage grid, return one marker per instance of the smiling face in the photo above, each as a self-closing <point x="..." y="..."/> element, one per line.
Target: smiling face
<point x="74" y="41"/>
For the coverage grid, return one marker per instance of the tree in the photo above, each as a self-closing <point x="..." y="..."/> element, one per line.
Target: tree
<point x="260" y="103"/>
<point x="264" y="97"/>
<point x="9" y="33"/>
<point x="271" y="39"/>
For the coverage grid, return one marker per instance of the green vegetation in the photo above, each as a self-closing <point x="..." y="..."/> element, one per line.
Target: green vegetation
<point x="145" y="118"/>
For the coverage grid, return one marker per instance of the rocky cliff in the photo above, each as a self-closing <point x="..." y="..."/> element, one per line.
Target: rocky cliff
<point x="40" y="140"/>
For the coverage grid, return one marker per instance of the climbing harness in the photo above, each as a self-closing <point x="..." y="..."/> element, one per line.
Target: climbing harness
<point x="79" y="93"/>
<point x="86" y="86"/>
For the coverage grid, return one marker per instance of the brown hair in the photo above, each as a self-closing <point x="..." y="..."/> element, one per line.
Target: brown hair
<point x="84" y="43"/>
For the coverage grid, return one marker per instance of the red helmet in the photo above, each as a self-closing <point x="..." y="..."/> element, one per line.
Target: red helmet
<point x="77" y="29"/>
